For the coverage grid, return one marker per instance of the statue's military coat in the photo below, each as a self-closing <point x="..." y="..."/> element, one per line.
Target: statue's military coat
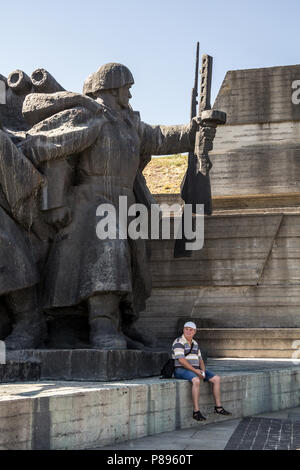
<point x="111" y="148"/>
<point x="19" y="183"/>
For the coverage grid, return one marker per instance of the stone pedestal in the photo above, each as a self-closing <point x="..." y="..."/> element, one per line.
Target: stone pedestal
<point x="94" y="365"/>
<point x="20" y="371"/>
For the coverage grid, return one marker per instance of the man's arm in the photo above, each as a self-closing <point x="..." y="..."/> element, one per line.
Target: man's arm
<point x="185" y="363"/>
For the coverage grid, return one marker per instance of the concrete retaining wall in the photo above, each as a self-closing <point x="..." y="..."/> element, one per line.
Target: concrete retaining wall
<point x="257" y="151"/>
<point x="78" y="416"/>
<point x="246" y="276"/>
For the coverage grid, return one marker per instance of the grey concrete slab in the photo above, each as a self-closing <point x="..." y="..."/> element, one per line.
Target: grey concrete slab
<point x="291" y="413"/>
<point x="203" y="437"/>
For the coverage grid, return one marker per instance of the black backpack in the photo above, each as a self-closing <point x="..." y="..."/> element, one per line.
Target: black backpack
<point x="168" y="368"/>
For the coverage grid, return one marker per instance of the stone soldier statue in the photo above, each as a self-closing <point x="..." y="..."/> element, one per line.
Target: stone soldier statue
<point x="19" y="276"/>
<point x="110" y="146"/>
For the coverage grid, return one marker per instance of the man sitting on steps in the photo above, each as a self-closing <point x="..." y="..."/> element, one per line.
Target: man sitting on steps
<point x="189" y="365"/>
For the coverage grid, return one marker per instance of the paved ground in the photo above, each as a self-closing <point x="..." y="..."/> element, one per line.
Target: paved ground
<point x="265" y="434"/>
<point x="216" y="436"/>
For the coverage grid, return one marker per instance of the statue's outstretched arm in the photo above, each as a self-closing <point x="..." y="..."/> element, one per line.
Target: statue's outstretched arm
<point x="166" y="140"/>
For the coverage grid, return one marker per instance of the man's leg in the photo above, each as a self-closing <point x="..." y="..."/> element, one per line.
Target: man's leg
<point x="197" y="415"/>
<point x="196" y="393"/>
<point x="216" y="389"/>
<point x="184" y="374"/>
<point x="104" y="320"/>
<point x="29" y="323"/>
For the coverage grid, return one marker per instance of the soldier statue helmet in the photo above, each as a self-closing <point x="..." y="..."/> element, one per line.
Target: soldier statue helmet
<point x="109" y="76"/>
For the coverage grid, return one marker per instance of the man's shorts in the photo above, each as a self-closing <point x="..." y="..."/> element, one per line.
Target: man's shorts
<point x="185" y="374"/>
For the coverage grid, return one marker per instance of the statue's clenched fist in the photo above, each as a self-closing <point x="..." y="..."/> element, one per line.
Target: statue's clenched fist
<point x="206" y="131"/>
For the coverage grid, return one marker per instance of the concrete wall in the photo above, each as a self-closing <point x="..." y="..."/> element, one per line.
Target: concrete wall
<point x="78" y="416"/>
<point x="259" y="95"/>
<point x="258" y="150"/>
<point x="246" y="276"/>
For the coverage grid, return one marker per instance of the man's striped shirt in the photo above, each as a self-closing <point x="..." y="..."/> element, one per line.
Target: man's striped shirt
<point x="180" y="347"/>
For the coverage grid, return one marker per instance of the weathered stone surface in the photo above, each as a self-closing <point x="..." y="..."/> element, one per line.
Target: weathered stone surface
<point x="19" y="82"/>
<point x="5" y="326"/>
<point x="43" y="82"/>
<point x="236" y="249"/>
<point x="259" y="95"/>
<point x="257" y="151"/>
<point x="250" y="342"/>
<point x="20" y="371"/>
<point x="246" y="276"/>
<point x="94" y="365"/>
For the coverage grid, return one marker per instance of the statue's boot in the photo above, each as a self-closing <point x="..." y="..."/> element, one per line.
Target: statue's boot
<point x="136" y="345"/>
<point x="104" y="319"/>
<point x="137" y="335"/>
<point x="29" y="332"/>
<point x="29" y="329"/>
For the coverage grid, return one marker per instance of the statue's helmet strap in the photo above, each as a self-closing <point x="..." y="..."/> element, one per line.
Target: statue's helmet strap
<point x="109" y="76"/>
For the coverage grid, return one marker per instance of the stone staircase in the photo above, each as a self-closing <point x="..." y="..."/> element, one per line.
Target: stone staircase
<point x="250" y="342"/>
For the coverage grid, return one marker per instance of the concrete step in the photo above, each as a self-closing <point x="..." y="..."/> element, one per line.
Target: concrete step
<point x="278" y="201"/>
<point x="79" y="415"/>
<point x="250" y="342"/>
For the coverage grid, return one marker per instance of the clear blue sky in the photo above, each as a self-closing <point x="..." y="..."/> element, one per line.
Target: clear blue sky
<point x="155" y="38"/>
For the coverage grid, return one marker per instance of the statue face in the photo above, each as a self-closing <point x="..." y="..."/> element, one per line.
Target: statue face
<point x="124" y="96"/>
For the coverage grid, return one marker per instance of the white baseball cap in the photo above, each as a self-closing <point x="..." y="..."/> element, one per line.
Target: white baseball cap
<point x="190" y="324"/>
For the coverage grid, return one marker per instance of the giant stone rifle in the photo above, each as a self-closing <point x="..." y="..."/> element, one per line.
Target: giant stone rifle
<point x="195" y="186"/>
